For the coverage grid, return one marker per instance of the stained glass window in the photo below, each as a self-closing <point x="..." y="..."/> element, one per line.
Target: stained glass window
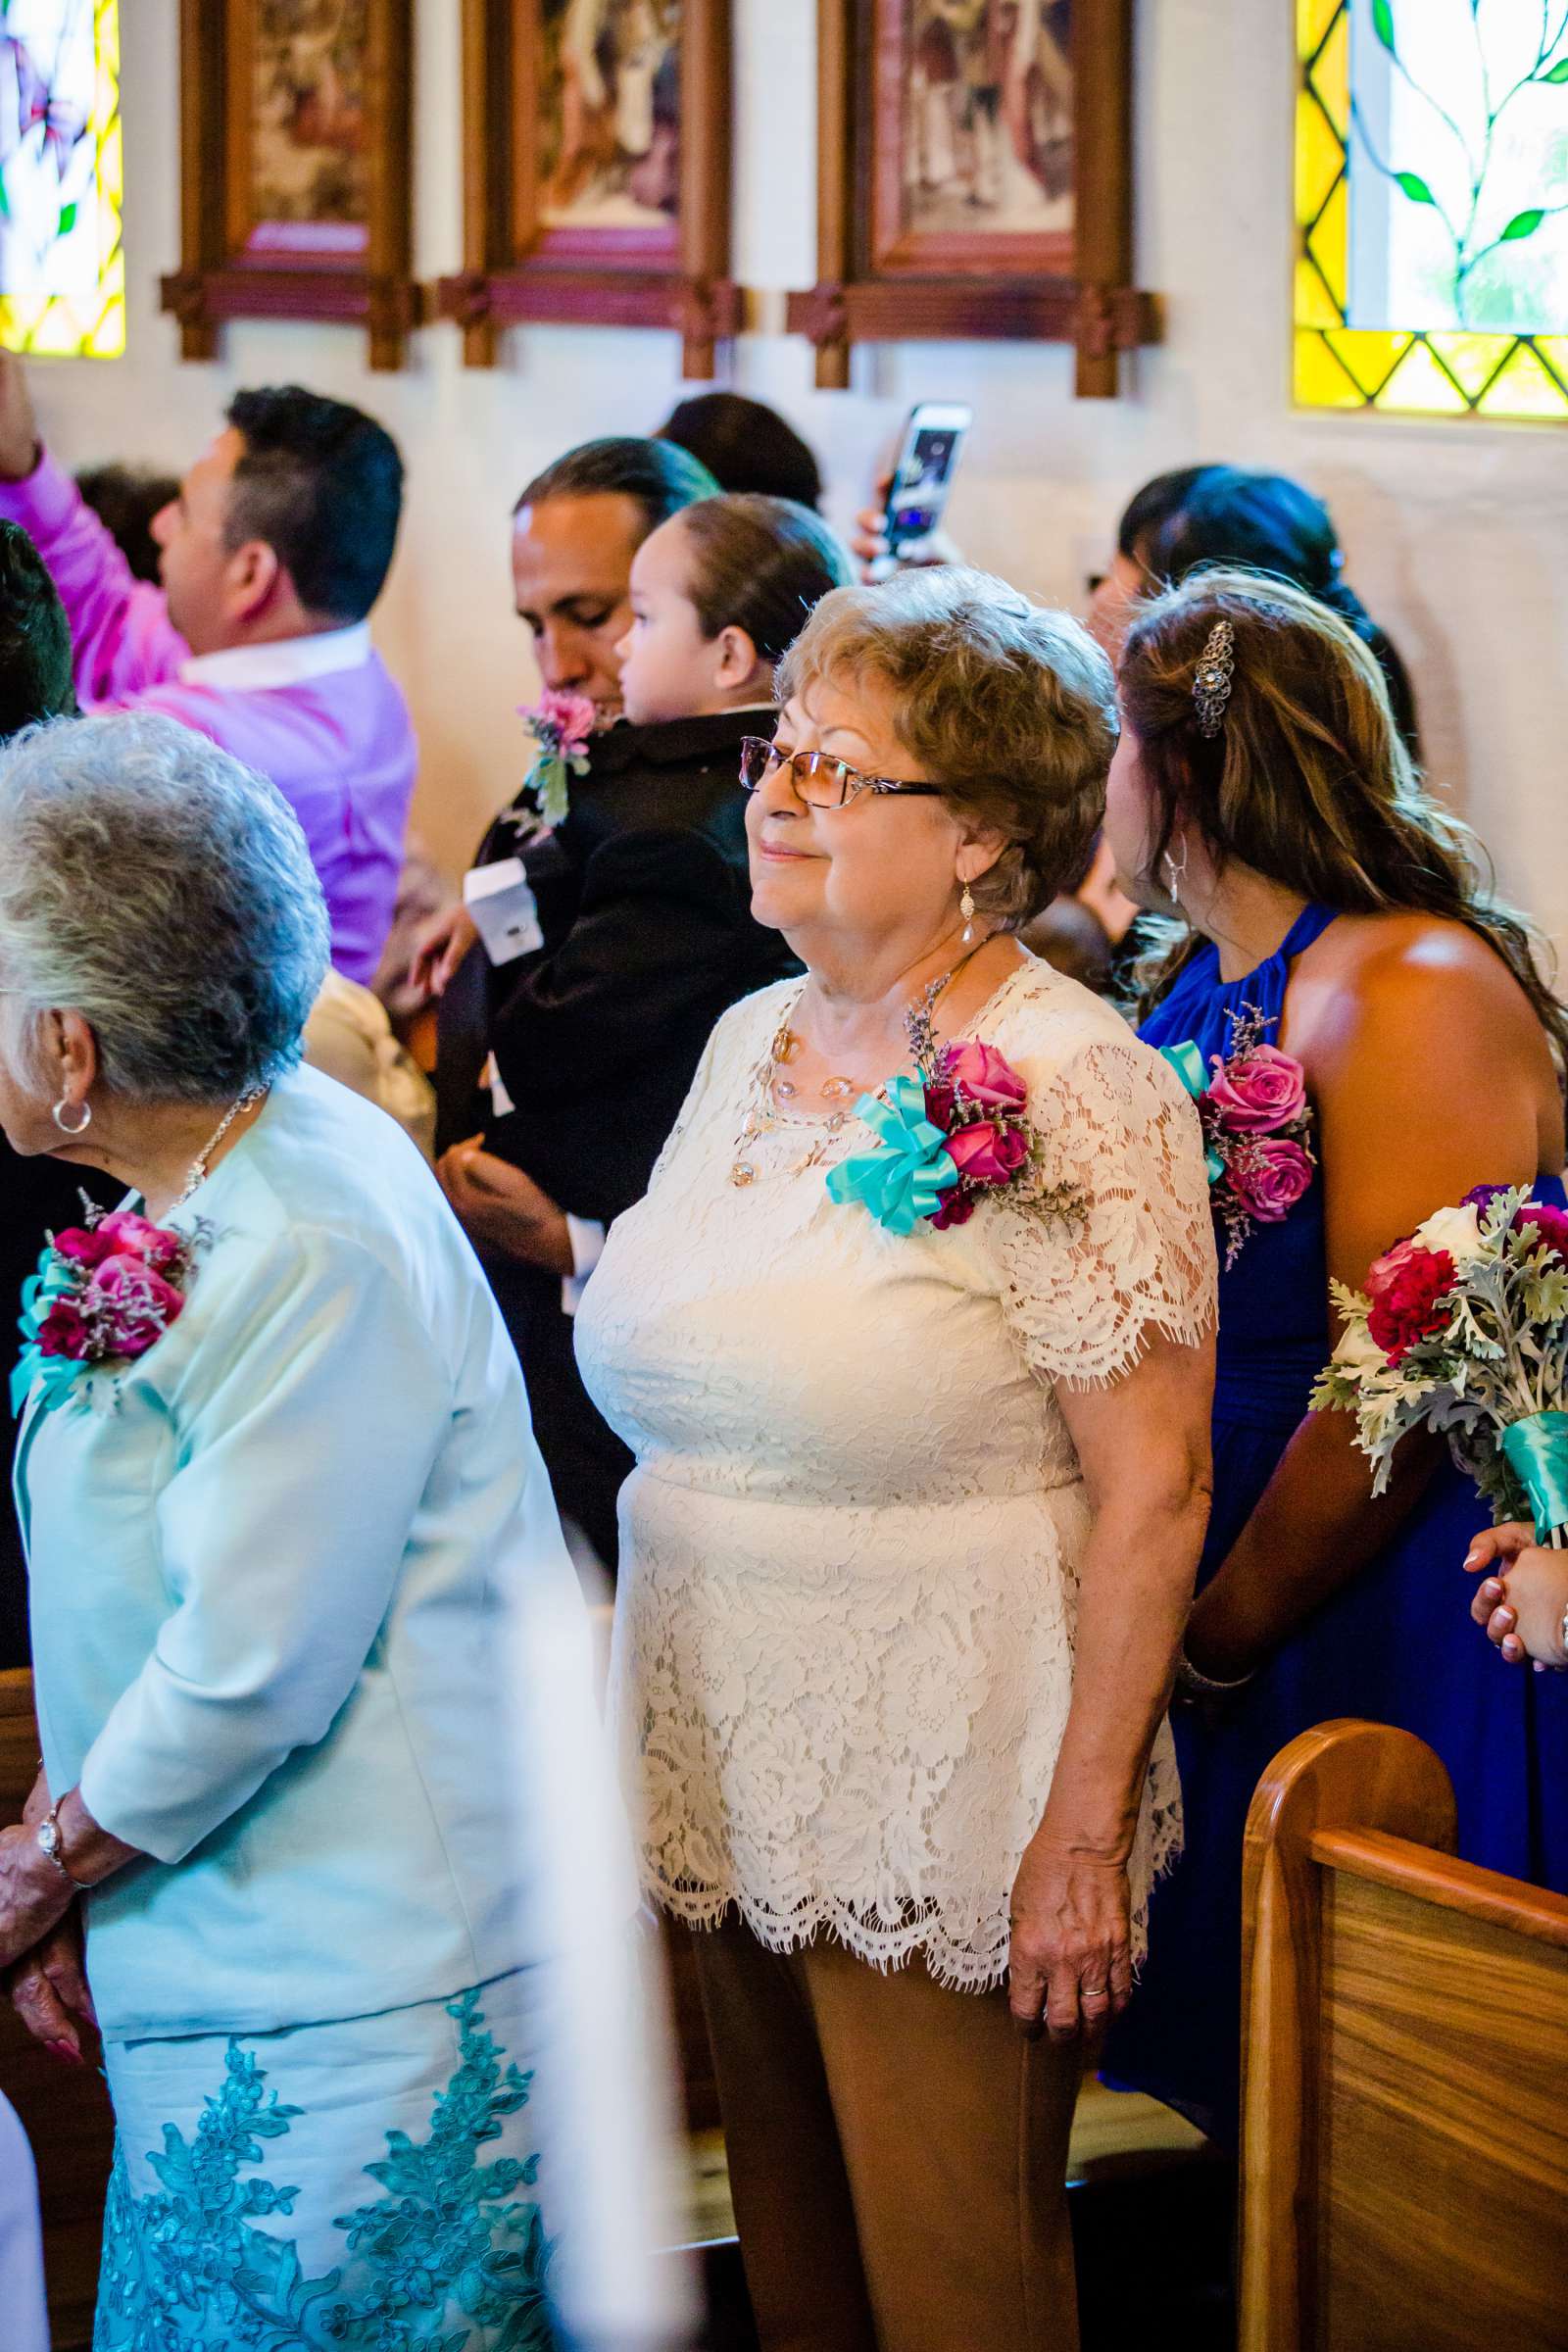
<point x="1432" y="202"/>
<point x="62" y="262"/>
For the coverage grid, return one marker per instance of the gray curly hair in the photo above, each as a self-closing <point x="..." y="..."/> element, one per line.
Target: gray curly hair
<point x="155" y="884"/>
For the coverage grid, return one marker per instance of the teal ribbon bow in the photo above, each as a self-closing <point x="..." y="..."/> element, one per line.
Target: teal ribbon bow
<point x="1193" y="1071"/>
<point x="904" y="1178"/>
<point x="58" y="1373"/>
<point x="1536" y="1450"/>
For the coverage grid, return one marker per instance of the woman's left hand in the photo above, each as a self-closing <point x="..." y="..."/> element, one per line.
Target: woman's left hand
<point x="33" y="1894"/>
<point x="1071" y="1964"/>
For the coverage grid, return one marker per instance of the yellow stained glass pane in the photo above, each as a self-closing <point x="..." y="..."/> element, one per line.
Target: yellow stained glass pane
<point x="1371" y="354"/>
<point x="1320" y="381"/>
<point x="1329" y="244"/>
<point x="1331" y="75"/>
<point x="1524" y="388"/>
<point x="1313" y="307"/>
<point x="1473" y="359"/>
<point x="1319" y="159"/>
<point x="1418" y="385"/>
<point x="1313" y="20"/>
<point x="1553" y="350"/>
<point x="61" y="178"/>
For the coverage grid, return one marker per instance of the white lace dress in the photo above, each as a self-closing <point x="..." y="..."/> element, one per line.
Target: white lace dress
<point x="843" y="1638"/>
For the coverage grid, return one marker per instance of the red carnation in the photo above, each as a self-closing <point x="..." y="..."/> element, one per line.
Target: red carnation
<point x="1547" y="1226"/>
<point x="1408" y="1288"/>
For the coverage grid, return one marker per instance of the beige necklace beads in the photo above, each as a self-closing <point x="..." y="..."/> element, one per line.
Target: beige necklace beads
<point x="767" y="1089"/>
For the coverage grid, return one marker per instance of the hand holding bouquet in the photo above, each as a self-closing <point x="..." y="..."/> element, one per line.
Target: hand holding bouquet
<point x="1463" y="1328"/>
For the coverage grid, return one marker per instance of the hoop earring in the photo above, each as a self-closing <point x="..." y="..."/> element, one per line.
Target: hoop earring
<point x="1174" y="874"/>
<point x="966" y="910"/>
<point x="64" y="1124"/>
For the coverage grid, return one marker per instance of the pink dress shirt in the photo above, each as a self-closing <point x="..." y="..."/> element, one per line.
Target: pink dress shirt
<point x="319" y="715"/>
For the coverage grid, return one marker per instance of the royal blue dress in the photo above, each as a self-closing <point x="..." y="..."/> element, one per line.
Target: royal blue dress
<point x="1397" y="1645"/>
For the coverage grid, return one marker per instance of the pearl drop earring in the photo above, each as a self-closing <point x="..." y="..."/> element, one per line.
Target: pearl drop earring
<point x="966" y="910"/>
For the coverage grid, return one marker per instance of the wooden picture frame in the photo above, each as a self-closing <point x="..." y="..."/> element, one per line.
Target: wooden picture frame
<point x="525" y="257"/>
<point x="252" y="249"/>
<point x="1059" y="269"/>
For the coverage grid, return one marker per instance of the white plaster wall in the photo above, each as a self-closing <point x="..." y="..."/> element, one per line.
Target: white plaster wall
<point x="1456" y="534"/>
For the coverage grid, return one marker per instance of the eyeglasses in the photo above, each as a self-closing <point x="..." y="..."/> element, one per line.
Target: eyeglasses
<point x="817" y="780"/>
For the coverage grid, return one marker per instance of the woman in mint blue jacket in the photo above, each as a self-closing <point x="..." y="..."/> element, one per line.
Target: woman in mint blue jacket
<point x="312" y="1676"/>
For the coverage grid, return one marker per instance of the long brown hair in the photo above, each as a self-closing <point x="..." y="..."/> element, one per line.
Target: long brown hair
<point x="1306" y="779"/>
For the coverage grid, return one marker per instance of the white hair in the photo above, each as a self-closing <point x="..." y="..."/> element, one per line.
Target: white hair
<point x="152" y="884"/>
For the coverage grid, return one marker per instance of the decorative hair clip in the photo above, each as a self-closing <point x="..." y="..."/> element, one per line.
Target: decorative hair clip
<point x="1211" y="680"/>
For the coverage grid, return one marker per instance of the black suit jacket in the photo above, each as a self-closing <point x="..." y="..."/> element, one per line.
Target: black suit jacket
<point x="644" y="897"/>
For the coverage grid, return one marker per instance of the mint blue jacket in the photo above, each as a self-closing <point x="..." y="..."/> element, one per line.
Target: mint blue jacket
<point x="304" y="1626"/>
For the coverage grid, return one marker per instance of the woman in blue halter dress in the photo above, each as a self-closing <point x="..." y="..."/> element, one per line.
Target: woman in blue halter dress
<point x="1395" y="1644"/>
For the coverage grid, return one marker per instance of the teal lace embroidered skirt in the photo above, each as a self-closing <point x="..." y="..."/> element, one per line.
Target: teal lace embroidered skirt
<point x="362" y="2186"/>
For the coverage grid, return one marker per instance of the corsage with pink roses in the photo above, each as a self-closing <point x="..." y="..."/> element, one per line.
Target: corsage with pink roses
<point x="561" y="723"/>
<point x="1256" y="1127"/>
<point x="104" y="1292"/>
<point x="951" y="1133"/>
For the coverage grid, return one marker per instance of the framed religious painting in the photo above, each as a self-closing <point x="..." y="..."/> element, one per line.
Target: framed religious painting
<point x="974" y="179"/>
<point x="61" y="261"/>
<point x="295" y="168"/>
<point x="596" y="171"/>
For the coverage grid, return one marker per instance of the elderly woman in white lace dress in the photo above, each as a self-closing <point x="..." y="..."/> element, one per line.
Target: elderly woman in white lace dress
<point x="912" y="1338"/>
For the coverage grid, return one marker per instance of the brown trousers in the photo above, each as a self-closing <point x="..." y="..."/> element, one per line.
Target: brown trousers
<point x="898" y="2155"/>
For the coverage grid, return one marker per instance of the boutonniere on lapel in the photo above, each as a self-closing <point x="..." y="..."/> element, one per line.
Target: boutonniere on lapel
<point x="104" y="1291"/>
<point x="561" y="724"/>
<point x="951" y="1134"/>
<point x="1258" y="1127"/>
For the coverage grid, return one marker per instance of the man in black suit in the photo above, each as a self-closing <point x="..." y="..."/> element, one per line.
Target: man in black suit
<point x="36" y="1195"/>
<point x="643" y="903"/>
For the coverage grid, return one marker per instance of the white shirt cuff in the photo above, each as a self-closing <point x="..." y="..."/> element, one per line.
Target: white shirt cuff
<point x="587" y="1248"/>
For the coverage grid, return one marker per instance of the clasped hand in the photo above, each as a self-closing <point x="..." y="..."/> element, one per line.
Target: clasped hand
<point x="1069" y="1965"/>
<point x="1522" y="1596"/>
<point x="501" y="1207"/>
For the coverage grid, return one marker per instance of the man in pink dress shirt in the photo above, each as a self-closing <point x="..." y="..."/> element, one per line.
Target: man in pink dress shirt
<point x="271" y="558"/>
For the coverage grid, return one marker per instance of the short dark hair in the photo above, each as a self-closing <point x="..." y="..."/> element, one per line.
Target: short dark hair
<point x="746" y="446"/>
<point x="1270" y="523"/>
<point x="762" y="565"/>
<point x="659" y="476"/>
<point x="35" y="667"/>
<point x="321" y="483"/>
<point x="1154" y="505"/>
<point x="124" y="499"/>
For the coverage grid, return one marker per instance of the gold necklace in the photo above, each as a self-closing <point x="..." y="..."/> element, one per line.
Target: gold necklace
<point x="762" y="1117"/>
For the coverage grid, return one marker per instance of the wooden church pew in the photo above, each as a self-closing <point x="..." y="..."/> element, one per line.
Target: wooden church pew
<point x="65" y="2111"/>
<point x="1405" y="2171"/>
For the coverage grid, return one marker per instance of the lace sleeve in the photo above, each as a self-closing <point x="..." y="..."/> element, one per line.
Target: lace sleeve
<point x="1081" y="1290"/>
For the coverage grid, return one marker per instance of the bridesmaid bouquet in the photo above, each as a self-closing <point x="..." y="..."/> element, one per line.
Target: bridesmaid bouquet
<point x="1256" y="1127"/>
<point x="104" y="1292"/>
<point x="1463" y="1328"/>
<point x="949" y="1135"/>
<point x="561" y="724"/>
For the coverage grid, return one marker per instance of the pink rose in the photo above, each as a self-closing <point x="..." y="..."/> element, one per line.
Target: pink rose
<point x="571" y="717"/>
<point x="128" y="1234"/>
<point x="1269" y="1176"/>
<point x="1263" y="1092"/>
<point x="985" y="1076"/>
<point x="986" y="1153"/>
<point x="1546" y="1224"/>
<point x="64" y="1331"/>
<point x="84" y="1245"/>
<point x="142" y="1304"/>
